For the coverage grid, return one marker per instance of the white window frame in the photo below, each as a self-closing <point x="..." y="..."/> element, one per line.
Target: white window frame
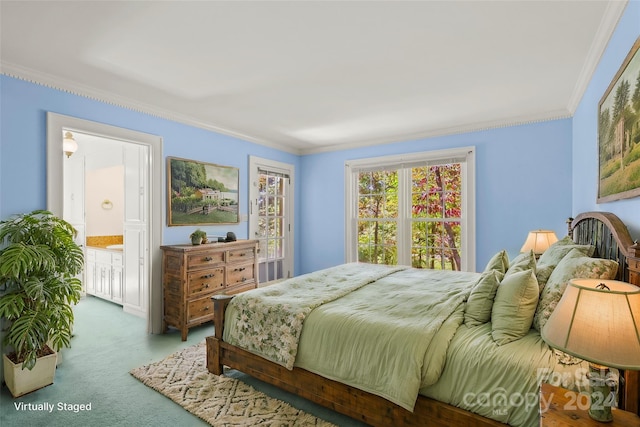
<point x="468" y="220"/>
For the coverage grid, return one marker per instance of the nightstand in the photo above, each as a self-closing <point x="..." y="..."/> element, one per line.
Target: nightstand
<point x="560" y="407"/>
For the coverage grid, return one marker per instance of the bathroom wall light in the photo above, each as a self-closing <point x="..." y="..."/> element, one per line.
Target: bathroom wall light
<point x="69" y="145"/>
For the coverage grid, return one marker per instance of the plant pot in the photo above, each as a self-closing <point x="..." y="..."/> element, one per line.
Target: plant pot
<point x="22" y="381"/>
<point x="59" y="353"/>
<point x="196" y="240"/>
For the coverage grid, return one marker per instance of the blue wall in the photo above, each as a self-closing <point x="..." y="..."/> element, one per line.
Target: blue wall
<point x="23" y="148"/>
<point x="585" y="127"/>
<point x="523" y="182"/>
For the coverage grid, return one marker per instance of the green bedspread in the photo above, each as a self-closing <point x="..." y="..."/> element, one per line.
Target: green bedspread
<point x="381" y="329"/>
<point x="268" y="321"/>
<point x="390" y="337"/>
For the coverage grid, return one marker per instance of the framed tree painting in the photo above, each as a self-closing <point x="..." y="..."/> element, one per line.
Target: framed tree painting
<point x="201" y="193"/>
<point x="619" y="133"/>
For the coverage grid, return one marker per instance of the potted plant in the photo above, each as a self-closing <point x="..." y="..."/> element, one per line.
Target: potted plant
<point x="39" y="261"/>
<point x="198" y="237"/>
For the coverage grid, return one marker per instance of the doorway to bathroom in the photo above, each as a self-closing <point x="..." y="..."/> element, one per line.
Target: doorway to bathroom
<point x="106" y="189"/>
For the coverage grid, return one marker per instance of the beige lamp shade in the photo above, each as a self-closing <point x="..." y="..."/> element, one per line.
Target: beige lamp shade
<point x="539" y="241"/>
<point x="597" y="324"/>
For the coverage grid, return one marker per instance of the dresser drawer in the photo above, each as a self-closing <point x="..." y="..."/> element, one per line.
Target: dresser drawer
<point x="199" y="310"/>
<point x="634" y="263"/>
<point x="241" y="273"/>
<point x="204" y="259"/>
<point x="203" y="281"/>
<point x="240" y="255"/>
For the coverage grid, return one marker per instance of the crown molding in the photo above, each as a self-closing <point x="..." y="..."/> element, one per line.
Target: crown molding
<point x="446" y="131"/>
<point x="74" y="88"/>
<point x="43" y="79"/>
<point x="608" y="24"/>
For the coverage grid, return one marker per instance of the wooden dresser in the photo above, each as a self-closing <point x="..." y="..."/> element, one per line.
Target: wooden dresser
<point x="193" y="274"/>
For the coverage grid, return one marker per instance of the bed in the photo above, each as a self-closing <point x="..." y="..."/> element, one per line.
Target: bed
<point x="435" y="390"/>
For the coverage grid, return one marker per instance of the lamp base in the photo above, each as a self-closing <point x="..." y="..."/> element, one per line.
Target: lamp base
<point x="603" y="385"/>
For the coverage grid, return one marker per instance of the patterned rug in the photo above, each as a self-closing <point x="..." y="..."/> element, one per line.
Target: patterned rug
<point x="220" y="401"/>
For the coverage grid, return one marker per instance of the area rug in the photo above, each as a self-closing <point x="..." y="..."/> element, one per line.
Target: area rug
<point x="219" y="400"/>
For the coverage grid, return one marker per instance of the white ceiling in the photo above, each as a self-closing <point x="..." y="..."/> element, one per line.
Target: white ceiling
<point x="310" y="76"/>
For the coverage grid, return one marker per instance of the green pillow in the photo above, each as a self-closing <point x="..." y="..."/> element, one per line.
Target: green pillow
<point x="574" y="265"/>
<point x="560" y="249"/>
<point x="514" y="307"/>
<point x="498" y="262"/>
<point x="524" y="261"/>
<point x="543" y="272"/>
<point x="480" y="301"/>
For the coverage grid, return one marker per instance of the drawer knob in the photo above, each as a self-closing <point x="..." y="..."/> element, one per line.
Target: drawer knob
<point x="240" y="269"/>
<point x="207" y="276"/>
<point x="208" y="258"/>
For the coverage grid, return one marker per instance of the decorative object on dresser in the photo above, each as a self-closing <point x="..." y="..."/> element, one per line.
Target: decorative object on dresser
<point x="539" y="241"/>
<point x="198" y="237"/>
<point x="597" y="320"/>
<point x="193" y="274"/>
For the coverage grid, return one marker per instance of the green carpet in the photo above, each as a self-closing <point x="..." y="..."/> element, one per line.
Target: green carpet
<point x="109" y="343"/>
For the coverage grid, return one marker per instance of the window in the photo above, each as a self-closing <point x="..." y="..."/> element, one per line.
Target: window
<point x="271" y="217"/>
<point x="414" y="209"/>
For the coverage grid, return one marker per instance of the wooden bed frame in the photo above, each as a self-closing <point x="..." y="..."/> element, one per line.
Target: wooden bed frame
<point x="604" y="230"/>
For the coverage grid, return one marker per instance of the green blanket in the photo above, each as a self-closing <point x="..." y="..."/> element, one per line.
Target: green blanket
<point x="502" y="382"/>
<point x="268" y="321"/>
<point x="389" y="338"/>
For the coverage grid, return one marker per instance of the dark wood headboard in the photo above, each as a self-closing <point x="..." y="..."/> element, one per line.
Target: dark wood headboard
<point x="607" y="233"/>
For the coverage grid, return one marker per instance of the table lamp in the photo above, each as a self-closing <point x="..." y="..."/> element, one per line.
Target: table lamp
<point x="598" y="321"/>
<point x="539" y="241"/>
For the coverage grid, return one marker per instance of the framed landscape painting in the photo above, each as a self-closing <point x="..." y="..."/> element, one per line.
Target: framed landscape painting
<point x="619" y="133"/>
<point x="201" y="193"/>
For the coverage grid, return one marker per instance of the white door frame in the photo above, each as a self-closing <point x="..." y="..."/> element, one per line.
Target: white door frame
<point x="55" y="186"/>
<point x="286" y="169"/>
